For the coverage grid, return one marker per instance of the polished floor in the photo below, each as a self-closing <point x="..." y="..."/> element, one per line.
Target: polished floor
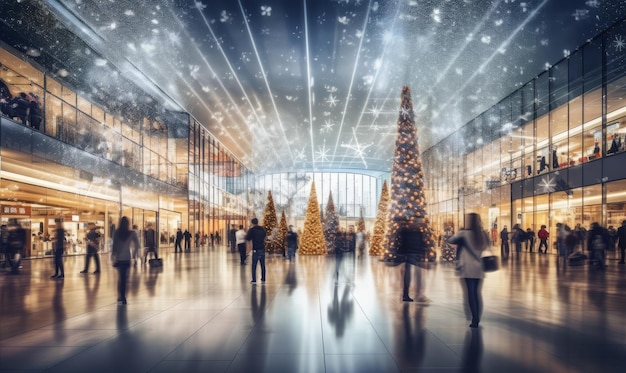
<point x="200" y="313"/>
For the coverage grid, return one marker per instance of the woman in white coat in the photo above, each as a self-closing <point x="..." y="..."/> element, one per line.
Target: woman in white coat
<point x="471" y="242"/>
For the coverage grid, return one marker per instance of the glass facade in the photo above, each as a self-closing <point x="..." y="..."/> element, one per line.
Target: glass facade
<point x="552" y="151"/>
<point x="91" y="163"/>
<point x="355" y="195"/>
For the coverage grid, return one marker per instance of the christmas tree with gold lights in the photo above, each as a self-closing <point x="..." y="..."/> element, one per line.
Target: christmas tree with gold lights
<point x="270" y="224"/>
<point x="331" y="224"/>
<point x="377" y="242"/>
<point x="312" y="241"/>
<point x="407" y="200"/>
<point x="283" y="233"/>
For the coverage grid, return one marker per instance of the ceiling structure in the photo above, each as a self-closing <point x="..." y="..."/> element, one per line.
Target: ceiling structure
<point x="315" y="84"/>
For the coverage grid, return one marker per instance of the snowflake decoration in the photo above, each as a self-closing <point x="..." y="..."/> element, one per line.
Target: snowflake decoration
<point x="375" y="111"/>
<point x="358" y="149"/>
<point x="404" y="112"/>
<point x="343" y="20"/>
<point x="548" y="184"/>
<point x="321" y="154"/>
<point x="619" y="43"/>
<point x="327" y="127"/>
<point x="224" y="16"/>
<point x="300" y="155"/>
<point x="375" y="127"/>
<point x="332" y="100"/>
<point x="266" y="10"/>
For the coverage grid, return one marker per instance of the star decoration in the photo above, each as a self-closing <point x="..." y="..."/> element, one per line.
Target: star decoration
<point x="327" y="127"/>
<point x="332" y="100"/>
<point x="547" y="184"/>
<point x="358" y="149"/>
<point x="321" y="155"/>
<point x="619" y="43"/>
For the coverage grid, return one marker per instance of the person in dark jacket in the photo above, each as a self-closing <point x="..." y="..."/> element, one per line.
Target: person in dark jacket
<point x="187" y="236"/>
<point x="411" y="246"/>
<point x="518" y="237"/>
<point x="59" y="248"/>
<point x="257" y="235"/>
<point x="93" y="243"/>
<point x="16" y="244"/>
<point x="34" y="113"/>
<point x="292" y="243"/>
<point x="149" y="242"/>
<point x="621" y="241"/>
<point x="179" y="239"/>
<point x="597" y="242"/>
<point x="20" y="107"/>
<point x="504" y="239"/>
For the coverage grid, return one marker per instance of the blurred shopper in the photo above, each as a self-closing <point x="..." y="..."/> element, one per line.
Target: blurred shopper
<point x="621" y="241"/>
<point x="93" y="243"/>
<point x="471" y="242"/>
<point x="179" y="239"/>
<point x="292" y="243"/>
<point x="240" y="240"/>
<point x="504" y="245"/>
<point x="16" y="244"/>
<point x="517" y="238"/>
<point x="34" y="112"/>
<point x="598" y="242"/>
<point x="187" y="237"/>
<point x="257" y="235"/>
<point x="149" y="242"/>
<point x="59" y="248"/>
<point x="413" y="249"/>
<point x="530" y="240"/>
<point x="543" y="236"/>
<point x="125" y="245"/>
<point x="232" y="238"/>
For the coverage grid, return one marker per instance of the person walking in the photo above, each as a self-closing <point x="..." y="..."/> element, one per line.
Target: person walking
<point x="15" y="247"/>
<point x="93" y="243"/>
<point x="530" y="240"/>
<point x="125" y="246"/>
<point x="59" y="248"/>
<point x="187" y="237"/>
<point x="240" y="239"/>
<point x="149" y="242"/>
<point x="543" y="236"/>
<point x="257" y="235"/>
<point x="232" y="238"/>
<point x="518" y="237"/>
<point x="504" y="242"/>
<point x="411" y="246"/>
<point x="179" y="239"/>
<point x="292" y="243"/>
<point x="471" y="242"/>
<point x="621" y="241"/>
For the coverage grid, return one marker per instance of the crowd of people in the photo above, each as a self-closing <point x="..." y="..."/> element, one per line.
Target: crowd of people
<point x="25" y="107"/>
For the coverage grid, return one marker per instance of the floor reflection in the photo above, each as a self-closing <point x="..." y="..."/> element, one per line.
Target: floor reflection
<point x="340" y="309"/>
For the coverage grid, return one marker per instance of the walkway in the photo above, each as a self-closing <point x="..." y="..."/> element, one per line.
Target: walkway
<point x="201" y="314"/>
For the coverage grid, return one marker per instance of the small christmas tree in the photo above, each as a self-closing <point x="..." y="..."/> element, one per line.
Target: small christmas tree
<point x="283" y="233"/>
<point x="331" y="225"/>
<point x="407" y="202"/>
<point x="270" y="223"/>
<point x="312" y="241"/>
<point x="377" y="247"/>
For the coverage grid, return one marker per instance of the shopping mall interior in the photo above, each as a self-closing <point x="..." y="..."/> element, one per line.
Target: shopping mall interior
<point x="195" y="116"/>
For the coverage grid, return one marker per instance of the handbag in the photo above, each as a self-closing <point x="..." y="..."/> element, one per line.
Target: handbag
<point x="490" y="263"/>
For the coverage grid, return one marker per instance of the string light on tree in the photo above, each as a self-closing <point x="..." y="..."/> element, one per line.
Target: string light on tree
<point x="312" y="241"/>
<point x="377" y="247"/>
<point x="331" y="224"/>
<point x="407" y="200"/>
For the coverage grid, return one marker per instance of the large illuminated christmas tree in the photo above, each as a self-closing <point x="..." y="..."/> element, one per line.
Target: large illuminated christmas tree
<point x="270" y="223"/>
<point x="407" y="200"/>
<point x="312" y="241"/>
<point x="377" y="242"/>
<point x="331" y="224"/>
